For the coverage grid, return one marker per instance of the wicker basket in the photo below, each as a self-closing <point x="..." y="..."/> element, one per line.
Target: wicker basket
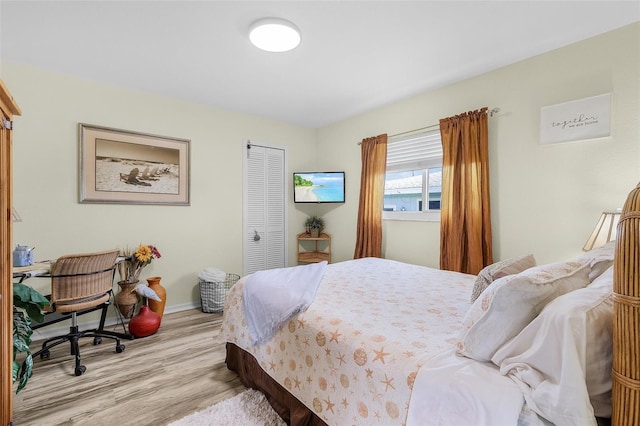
<point x="213" y="293"/>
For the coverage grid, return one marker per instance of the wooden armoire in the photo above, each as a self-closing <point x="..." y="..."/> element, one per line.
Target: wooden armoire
<point x="9" y="110"/>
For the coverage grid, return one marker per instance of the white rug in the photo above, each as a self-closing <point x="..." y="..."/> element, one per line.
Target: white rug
<point x="249" y="408"/>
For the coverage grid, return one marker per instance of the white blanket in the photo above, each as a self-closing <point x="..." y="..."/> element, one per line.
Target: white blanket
<point x="212" y="275"/>
<point x="273" y="296"/>
<point x="453" y="390"/>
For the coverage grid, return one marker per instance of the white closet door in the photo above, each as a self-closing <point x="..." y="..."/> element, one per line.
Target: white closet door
<point x="265" y="203"/>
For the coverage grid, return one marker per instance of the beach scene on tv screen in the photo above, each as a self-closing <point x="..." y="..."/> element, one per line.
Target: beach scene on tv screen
<point x="318" y="187"/>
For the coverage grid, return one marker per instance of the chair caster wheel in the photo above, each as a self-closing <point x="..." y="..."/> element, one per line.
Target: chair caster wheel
<point x="97" y="340"/>
<point x="45" y="354"/>
<point x="80" y="370"/>
<point x="120" y="348"/>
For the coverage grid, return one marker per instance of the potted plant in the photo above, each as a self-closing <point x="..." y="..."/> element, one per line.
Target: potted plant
<point x="314" y="225"/>
<point x="28" y="305"/>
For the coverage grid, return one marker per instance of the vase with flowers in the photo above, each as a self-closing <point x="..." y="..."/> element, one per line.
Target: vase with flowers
<point x="129" y="271"/>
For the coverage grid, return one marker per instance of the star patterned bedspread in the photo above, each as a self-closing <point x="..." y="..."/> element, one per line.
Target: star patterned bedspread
<point x="353" y="355"/>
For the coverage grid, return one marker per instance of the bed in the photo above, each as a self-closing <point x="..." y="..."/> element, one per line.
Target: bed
<point x="388" y="343"/>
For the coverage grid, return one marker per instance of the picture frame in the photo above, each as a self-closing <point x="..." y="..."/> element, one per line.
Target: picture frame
<point x="126" y="167"/>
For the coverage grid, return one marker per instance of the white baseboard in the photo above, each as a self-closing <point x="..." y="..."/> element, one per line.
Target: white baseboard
<point x="111" y="323"/>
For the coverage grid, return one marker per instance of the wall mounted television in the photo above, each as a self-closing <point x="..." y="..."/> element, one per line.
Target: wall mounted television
<point x="318" y="187"/>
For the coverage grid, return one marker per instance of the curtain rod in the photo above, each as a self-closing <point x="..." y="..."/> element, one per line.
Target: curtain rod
<point x="490" y="112"/>
<point x="433" y="126"/>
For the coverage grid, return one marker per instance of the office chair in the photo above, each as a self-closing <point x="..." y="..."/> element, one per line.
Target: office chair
<point x="80" y="283"/>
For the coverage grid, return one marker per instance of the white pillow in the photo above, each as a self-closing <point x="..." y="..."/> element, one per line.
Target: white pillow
<point x="498" y="270"/>
<point x="511" y="302"/>
<point x="562" y="360"/>
<point x="600" y="259"/>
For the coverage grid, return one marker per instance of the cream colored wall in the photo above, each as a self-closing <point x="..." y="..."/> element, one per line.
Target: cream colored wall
<point x="545" y="199"/>
<point x="190" y="238"/>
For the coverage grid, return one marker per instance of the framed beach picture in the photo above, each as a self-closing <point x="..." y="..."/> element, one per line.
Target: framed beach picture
<point x="119" y="166"/>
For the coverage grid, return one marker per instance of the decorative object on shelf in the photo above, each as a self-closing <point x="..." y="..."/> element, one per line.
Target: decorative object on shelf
<point x="314" y="225"/>
<point x="127" y="299"/>
<point x="144" y="323"/>
<point x="158" y="305"/>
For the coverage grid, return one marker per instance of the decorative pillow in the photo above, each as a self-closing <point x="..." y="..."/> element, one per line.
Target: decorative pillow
<point x="498" y="270"/>
<point x="600" y="259"/>
<point x="511" y="302"/>
<point x="562" y="360"/>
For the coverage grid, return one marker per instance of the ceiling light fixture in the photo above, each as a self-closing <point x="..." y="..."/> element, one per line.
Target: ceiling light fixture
<point x="274" y="35"/>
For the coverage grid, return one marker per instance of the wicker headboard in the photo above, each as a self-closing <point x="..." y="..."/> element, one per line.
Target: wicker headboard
<point x="626" y="316"/>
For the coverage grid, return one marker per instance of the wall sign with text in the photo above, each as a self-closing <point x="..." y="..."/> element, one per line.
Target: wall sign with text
<point x="587" y="118"/>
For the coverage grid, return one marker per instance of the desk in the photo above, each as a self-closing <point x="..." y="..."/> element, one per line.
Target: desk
<point x="37" y="269"/>
<point x="43" y="269"/>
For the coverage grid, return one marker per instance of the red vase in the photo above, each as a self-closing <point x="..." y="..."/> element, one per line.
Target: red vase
<point x="145" y="323"/>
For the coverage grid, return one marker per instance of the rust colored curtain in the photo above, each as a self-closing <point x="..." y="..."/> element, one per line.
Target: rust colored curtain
<point x="465" y="224"/>
<point x="369" y="227"/>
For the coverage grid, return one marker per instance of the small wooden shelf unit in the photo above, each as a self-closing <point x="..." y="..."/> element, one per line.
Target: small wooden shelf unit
<point x="319" y="252"/>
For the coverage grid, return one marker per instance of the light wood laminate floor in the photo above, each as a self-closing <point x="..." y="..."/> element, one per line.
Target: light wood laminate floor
<point x="156" y="380"/>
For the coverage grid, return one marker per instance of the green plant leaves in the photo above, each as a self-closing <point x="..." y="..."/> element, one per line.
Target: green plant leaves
<point x="27" y="305"/>
<point x="29" y="300"/>
<point x="314" y="222"/>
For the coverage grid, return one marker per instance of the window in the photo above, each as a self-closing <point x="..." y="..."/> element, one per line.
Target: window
<point x="413" y="179"/>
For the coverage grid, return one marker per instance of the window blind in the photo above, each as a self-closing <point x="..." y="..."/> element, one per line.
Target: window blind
<point x="417" y="151"/>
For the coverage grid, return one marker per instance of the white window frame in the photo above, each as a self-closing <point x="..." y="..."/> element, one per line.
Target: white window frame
<point x="415" y="151"/>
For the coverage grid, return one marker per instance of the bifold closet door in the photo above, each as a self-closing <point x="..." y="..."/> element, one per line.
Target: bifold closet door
<point x="264" y="217"/>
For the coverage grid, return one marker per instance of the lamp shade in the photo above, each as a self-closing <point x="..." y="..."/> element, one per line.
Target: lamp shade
<point x="274" y="35"/>
<point x="605" y="230"/>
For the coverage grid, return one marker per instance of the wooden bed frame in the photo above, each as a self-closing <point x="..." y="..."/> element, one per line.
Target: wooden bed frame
<point x="626" y="337"/>
<point x="288" y="407"/>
